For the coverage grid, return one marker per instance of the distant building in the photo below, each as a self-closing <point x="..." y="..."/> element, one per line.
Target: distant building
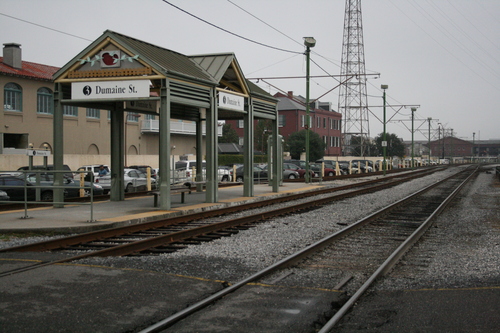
<point x="27" y="118"/>
<point x="449" y="146"/>
<point x="292" y="118"/>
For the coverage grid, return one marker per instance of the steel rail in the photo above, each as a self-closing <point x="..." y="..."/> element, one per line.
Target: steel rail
<point x="142" y="245"/>
<point x="114" y="232"/>
<point x="394" y="257"/>
<point x="288" y="260"/>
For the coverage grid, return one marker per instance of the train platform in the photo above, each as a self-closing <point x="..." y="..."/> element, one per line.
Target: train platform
<point x="105" y="214"/>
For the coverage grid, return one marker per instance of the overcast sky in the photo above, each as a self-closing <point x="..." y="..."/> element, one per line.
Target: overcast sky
<point x="441" y="55"/>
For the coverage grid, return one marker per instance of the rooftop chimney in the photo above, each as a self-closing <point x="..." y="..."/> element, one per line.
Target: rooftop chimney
<point x="12" y="55"/>
<point x="290" y="94"/>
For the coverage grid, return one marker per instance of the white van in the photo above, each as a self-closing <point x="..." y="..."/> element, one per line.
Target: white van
<point x="224" y="174"/>
<point x="93" y="168"/>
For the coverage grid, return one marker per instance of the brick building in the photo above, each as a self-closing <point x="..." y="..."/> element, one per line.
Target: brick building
<point x="292" y="118"/>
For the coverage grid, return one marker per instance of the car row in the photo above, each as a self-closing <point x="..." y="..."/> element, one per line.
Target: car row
<point x="19" y="188"/>
<point x="261" y="174"/>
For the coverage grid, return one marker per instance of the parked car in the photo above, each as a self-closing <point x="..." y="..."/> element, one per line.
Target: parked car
<point x="72" y="187"/>
<point x="258" y="174"/>
<point x="15" y="188"/>
<point x="68" y="174"/>
<point x="299" y="170"/>
<point x="134" y="180"/>
<point x="4" y="196"/>
<point x="299" y="163"/>
<point x="361" y="164"/>
<point x="316" y="167"/>
<point x="287" y="173"/>
<point x="144" y="169"/>
<point x="224" y="175"/>
<point x="94" y="168"/>
<point x="343" y="165"/>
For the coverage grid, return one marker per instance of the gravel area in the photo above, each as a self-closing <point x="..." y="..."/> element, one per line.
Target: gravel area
<point x="449" y="255"/>
<point x="462" y="250"/>
<point x="233" y="258"/>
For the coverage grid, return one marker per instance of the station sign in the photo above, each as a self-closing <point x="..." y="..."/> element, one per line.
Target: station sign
<point x="231" y="102"/>
<point x="33" y="152"/>
<point x="110" y="89"/>
<point x="141" y="105"/>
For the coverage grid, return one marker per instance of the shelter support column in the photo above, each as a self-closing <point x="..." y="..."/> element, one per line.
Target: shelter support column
<point x="58" y="145"/>
<point x="248" y="143"/>
<point x="117" y="153"/>
<point x="199" y="150"/>
<point x="165" y="149"/>
<point x="211" y="142"/>
<point x="276" y="156"/>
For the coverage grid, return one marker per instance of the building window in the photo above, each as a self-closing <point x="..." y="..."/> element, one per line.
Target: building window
<point x="150" y="117"/>
<point x="44" y="101"/>
<point x="93" y="113"/>
<point x="281" y="120"/>
<point x="12" y="97"/>
<point x="302" y="121"/>
<point x="241" y="124"/>
<point x="71" y="111"/>
<point x="324" y="122"/>
<point x="133" y="117"/>
<point x="318" y="122"/>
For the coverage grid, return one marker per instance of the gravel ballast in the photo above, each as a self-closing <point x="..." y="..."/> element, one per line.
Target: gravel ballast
<point x="234" y="258"/>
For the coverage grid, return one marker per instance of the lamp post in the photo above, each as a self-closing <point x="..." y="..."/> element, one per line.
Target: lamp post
<point x="384" y="135"/>
<point x="308" y="42"/>
<point x="429" y="119"/>
<point x="473" y="143"/>
<point x="412" y="141"/>
<point x="439" y="137"/>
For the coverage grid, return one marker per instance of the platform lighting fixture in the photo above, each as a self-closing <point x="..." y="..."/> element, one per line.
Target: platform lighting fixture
<point x="412" y="139"/>
<point x="384" y="135"/>
<point x="308" y="42"/>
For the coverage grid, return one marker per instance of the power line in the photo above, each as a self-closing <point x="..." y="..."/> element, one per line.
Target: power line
<point x="229" y="32"/>
<point x="42" y="26"/>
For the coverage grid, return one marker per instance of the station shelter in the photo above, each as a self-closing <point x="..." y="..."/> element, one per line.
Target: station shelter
<point x="120" y="73"/>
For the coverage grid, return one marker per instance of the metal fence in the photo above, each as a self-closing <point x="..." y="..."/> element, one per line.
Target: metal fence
<point x="42" y="182"/>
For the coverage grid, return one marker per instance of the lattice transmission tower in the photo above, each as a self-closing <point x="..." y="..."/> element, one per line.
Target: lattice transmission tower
<point x="353" y="101"/>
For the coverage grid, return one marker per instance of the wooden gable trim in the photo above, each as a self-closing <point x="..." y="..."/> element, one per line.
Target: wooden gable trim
<point x="147" y="72"/>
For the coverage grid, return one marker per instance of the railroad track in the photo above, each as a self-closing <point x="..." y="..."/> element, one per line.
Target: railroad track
<point x="369" y="248"/>
<point x="168" y="235"/>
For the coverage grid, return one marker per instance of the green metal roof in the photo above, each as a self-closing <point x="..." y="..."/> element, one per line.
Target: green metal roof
<point x="163" y="60"/>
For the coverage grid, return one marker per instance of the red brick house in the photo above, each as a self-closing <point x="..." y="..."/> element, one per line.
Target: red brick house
<point x="292" y="118"/>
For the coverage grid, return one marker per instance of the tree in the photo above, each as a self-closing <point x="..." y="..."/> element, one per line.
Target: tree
<point x="262" y="130"/>
<point x="229" y="135"/>
<point x="369" y="148"/>
<point x="296" y="144"/>
<point x="395" y="145"/>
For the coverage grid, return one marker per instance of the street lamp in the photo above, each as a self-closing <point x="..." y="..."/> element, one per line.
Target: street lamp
<point x="308" y="42"/>
<point x="412" y="141"/>
<point x="473" y="143"/>
<point x="384" y="137"/>
<point x="439" y="138"/>
<point x="429" y="119"/>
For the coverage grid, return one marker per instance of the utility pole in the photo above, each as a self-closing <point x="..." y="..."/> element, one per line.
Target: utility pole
<point x="429" y="139"/>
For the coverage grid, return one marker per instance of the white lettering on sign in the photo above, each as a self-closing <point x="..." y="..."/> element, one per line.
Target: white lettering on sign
<point x="110" y="89"/>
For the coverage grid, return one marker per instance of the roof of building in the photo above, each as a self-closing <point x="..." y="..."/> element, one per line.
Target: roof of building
<point x="285" y="103"/>
<point x="29" y="70"/>
<point x="230" y="148"/>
